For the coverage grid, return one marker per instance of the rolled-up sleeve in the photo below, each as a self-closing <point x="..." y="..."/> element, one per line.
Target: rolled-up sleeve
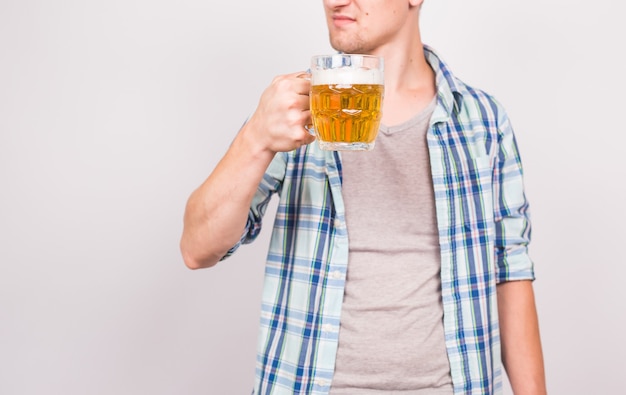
<point x="270" y="184"/>
<point x="512" y="216"/>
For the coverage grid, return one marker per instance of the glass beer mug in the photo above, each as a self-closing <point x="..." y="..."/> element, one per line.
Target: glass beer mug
<point x="346" y="98"/>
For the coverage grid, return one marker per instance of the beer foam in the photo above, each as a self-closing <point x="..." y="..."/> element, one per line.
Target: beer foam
<point x="347" y="76"/>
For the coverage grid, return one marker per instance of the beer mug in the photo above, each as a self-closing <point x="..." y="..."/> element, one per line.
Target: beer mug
<point x="346" y="98"/>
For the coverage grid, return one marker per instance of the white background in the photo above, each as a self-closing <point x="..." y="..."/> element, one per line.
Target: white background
<point x="112" y="112"/>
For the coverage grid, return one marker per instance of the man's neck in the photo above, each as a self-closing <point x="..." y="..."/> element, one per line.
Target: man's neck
<point x="409" y="81"/>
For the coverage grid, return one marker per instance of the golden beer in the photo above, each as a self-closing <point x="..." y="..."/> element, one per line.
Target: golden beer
<point x="346" y="114"/>
<point x="346" y="99"/>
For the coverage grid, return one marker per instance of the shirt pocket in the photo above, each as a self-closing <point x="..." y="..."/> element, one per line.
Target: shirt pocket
<point x="482" y="180"/>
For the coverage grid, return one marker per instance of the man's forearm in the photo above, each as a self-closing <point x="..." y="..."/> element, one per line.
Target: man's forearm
<point x="217" y="212"/>
<point x="522" y="355"/>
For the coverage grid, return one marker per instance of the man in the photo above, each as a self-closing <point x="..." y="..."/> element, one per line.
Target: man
<point x="411" y="276"/>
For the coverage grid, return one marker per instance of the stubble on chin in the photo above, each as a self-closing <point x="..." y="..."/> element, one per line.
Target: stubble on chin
<point x="348" y="45"/>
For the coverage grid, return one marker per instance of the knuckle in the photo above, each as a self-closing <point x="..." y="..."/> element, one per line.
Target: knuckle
<point x="293" y="117"/>
<point x="293" y="104"/>
<point x="297" y="116"/>
<point x="278" y="78"/>
<point x="283" y="83"/>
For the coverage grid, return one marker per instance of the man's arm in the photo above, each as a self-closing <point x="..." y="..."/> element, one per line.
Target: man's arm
<point x="519" y="332"/>
<point x="216" y="213"/>
<point x="519" y="329"/>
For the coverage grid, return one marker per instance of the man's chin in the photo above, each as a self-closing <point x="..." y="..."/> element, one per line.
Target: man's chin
<point x="341" y="46"/>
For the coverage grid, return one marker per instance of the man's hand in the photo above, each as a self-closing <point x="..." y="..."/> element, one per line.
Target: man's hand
<point x="278" y="123"/>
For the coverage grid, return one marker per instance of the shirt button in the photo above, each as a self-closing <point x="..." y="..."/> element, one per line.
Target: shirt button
<point x="322" y="382"/>
<point x="328" y="328"/>
<point x="336" y="275"/>
<point x="337" y="223"/>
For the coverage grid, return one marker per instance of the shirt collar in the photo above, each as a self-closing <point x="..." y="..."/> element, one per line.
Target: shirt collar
<point x="449" y="89"/>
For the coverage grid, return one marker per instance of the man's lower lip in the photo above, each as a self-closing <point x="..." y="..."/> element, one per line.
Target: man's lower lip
<point x="343" y="22"/>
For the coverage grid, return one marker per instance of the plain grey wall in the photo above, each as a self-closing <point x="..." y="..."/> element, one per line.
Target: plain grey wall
<point x="112" y="112"/>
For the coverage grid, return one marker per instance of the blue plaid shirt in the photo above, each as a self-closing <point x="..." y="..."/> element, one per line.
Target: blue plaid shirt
<point x="484" y="231"/>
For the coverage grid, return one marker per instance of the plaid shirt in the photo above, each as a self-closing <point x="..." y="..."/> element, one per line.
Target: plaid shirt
<point x="484" y="229"/>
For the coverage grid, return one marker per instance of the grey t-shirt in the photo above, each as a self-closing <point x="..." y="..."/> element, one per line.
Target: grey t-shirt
<point x="391" y="337"/>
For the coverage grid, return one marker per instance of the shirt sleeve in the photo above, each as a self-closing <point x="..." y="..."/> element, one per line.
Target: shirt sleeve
<point x="511" y="209"/>
<point x="270" y="184"/>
